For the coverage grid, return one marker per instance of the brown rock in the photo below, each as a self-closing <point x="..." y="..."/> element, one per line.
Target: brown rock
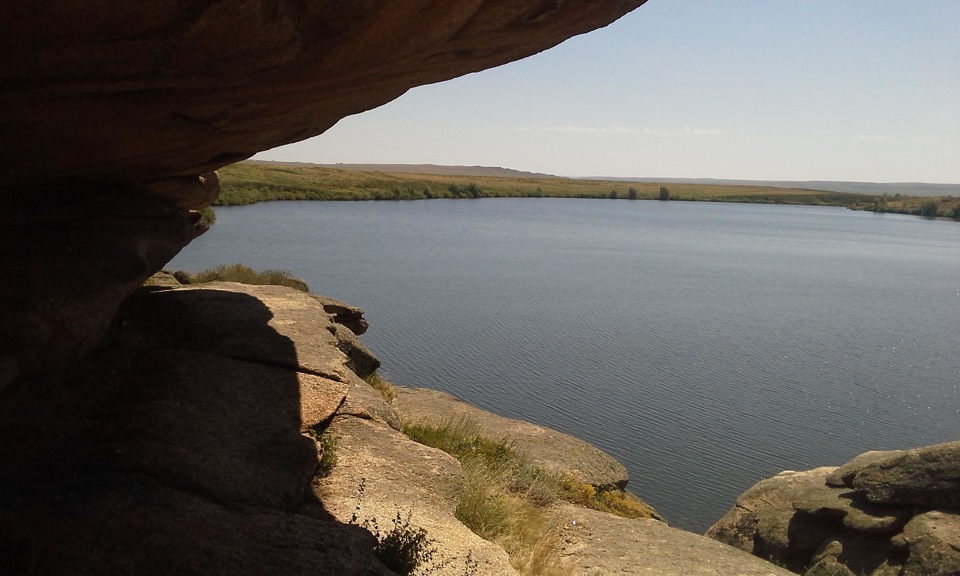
<point x="598" y="544"/>
<point x="765" y="521"/>
<point x="66" y="269"/>
<point x="856" y="513"/>
<point x="853" y="553"/>
<point x="365" y="402"/>
<point x="148" y="458"/>
<point x="843" y="476"/>
<point x="360" y="360"/>
<point x="927" y="476"/>
<point x="343" y="313"/>
<point x="381" y="473"/>
<point x="112" y="106"/>
<point x="934" y="542"/>
<point x="287" y="328"/>
<point x="170" y="91"/>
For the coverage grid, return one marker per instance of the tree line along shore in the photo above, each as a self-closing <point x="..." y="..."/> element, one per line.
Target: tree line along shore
<point x="252" y="182"/>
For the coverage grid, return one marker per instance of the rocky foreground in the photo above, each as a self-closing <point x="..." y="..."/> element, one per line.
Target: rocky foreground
<point x="185" y="444"/>
<point x="189" y="443"/>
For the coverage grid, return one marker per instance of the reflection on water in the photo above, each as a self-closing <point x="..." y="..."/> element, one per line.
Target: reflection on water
<point x="703" y="345"/>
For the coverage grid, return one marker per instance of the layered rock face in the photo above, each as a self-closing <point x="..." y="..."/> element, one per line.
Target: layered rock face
<point x="190" y="441"/>
<point x="114" y="116"/>
<point x="891" y="513"/>
<point x="109" y="92"/>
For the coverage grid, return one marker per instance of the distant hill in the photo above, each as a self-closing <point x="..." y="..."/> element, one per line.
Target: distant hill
<point x="889" y="188"/>
<point x="489" y="171"/>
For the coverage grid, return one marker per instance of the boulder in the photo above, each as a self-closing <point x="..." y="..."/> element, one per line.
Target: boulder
<point x="933" y="539"/>
<point x="765" y="521"/>
<point x="927" y="477"/>
<point x="212" y="318"/>
<point x="67" y="268"/>
<point x="887" y="513"/>
<point x="343" y="313"/>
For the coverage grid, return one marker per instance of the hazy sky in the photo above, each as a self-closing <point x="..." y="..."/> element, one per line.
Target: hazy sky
<point x="861" y="90"/>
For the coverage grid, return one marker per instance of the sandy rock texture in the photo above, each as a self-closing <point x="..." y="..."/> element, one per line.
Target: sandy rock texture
<point x="597" y="544"/>
<point x="891" y="513"/>
<point x="178" y="446"/>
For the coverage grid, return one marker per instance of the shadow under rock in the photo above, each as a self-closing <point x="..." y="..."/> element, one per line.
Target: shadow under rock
<point x="175" y="447"/>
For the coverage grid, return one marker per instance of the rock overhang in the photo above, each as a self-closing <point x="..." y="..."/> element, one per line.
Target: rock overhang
<point x="112" y="93"/>
<point x="109" y="106"/>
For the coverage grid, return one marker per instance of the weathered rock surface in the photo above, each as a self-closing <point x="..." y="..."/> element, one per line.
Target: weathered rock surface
<point x="927" y="477"/>
<point x="115" y="118"/>
<point x="67" y="268"/>
<point x="177" y="447"/>
<point x="550" y="449"/>
<point x="881" y="514"/>
<point x="597" y="544"/>
<point x="184" y="445"/>
<point x="381" y="474"/>
<point x="171" y="90"/>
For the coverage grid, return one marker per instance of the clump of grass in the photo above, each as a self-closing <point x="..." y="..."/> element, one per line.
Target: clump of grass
<point x="492" y="507"/>
<point x="461" y="439"/>
<point x="246" y="275"/>
<point x="382" y="386"/>
<point x="612" y="500"/>
<point x="208" y="216"/>
<point x="504" y="494"/>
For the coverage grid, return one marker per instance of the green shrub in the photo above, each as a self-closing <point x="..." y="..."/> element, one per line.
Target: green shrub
<point x="928" y="209"/>
<point x="208" y="216"/>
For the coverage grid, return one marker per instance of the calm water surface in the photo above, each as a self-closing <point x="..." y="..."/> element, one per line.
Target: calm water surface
<point x="705" y="346"/>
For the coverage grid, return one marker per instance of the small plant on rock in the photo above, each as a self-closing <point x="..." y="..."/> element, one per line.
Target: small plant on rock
<point x="403" y="548"/>
<point x="326" y="452"/>
<point x="382" y="386"/>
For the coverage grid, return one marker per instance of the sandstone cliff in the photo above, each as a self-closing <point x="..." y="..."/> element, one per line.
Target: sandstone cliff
<point x="115" y="116"/>
<point x="186" y="444"/>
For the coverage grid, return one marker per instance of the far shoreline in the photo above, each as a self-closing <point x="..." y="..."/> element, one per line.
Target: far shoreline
<point x="251" y="182"/>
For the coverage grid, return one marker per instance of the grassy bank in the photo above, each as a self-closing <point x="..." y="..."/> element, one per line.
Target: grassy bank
<point x="505" y="495"/>
<point x="251" y="182"/>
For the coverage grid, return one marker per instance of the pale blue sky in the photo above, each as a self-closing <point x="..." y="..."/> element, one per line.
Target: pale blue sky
<point x="860" y="90"/>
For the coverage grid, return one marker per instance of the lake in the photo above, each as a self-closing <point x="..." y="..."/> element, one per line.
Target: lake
<point x="705" y="346"/>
